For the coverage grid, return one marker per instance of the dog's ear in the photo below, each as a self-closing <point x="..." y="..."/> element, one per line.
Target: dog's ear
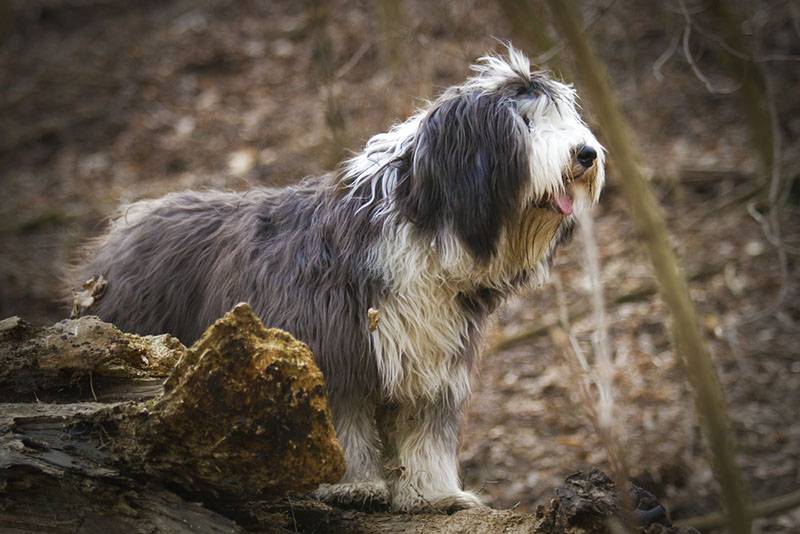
<point x="467" y="170"/>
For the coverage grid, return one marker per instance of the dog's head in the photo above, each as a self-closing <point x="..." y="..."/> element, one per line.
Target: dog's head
<point x="502" y="162"/>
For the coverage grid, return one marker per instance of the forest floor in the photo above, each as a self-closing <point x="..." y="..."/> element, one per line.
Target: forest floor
<point x="108" y="101"/>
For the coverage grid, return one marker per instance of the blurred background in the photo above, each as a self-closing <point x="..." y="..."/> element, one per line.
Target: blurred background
<point x="108" y="101"/>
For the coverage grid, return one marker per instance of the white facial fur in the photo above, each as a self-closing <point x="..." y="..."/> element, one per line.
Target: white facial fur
<point x="556" y="130"/>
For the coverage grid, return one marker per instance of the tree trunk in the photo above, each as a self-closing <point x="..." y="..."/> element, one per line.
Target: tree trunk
<point x="739" y="62"/>
<point x="647" y="216"/>
<point x="529" y="28"/>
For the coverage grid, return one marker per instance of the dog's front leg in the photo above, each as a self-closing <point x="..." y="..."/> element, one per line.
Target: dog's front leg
<point x="426" y="445"/>
<point x="363" y="484"/>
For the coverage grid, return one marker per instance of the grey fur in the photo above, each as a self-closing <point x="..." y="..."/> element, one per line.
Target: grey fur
<point x="296" y="255"/>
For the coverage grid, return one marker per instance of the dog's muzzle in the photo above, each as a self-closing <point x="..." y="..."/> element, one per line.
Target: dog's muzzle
<point x="585" y="157"/>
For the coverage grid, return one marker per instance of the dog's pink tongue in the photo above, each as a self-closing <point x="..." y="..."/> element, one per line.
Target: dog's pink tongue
<point x="564" y="203"/>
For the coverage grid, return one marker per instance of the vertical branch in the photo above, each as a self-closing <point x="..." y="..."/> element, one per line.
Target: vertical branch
<point x="325" y="71"/>
<point x="528" y="27"/>
<point x="674" y="289"/>
<point x="598" y="407"/>
<point x="737" y="58"/>
<point x="771" y="224"/>
<point x="408" y="77"/>
<point x="600" y="340"/>
<point x="392" y="23"/>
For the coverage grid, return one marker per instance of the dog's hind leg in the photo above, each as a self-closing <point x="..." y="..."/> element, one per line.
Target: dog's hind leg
<point x="363" y="483"/>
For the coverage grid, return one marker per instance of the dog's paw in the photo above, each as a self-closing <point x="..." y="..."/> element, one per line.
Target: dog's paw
<point x="416" y="503"/>
<point x="458" y="501"/>
<point x="362" y="495"/>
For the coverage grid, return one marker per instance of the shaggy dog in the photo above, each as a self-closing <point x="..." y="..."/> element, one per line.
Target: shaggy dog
<point x="388" y="269"/>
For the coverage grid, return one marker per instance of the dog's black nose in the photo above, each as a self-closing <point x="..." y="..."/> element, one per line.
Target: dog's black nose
<point x="586" y="155"/>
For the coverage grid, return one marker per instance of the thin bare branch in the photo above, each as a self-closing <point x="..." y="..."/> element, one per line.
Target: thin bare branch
<point x="770" y="223"/>
<point x="600" y="340"/>
<point x="687" y="31"/>
<point x="353" y="61"/>
<point x="665" y="56"/>
<point x="766" y="508"/>
<point x="598" y="407"/>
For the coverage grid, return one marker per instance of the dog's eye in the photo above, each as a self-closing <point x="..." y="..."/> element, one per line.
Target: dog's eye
<point x="527" y="91"/>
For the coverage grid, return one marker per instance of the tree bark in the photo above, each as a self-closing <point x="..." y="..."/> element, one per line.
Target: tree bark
<point x="242" y="415"/>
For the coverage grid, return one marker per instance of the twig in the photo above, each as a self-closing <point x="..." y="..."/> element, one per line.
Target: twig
<point x="91" y="386"/>
<point x="353" y="61"/>
<point x="775" y="188"/>
<point x="421" y="496"/>
<point x="593" y="406"/>
<point x="550" y="53"/>
<point x="665" y="56"/>
<point x="291" y="511"/>
<point x="703" y="213"/>
<point x="776" y="57"/>
<point x="636" y="295"/>
<point x="600" y="340"/>
<point x="603" y="360"/>
<point x="687" y="30"/>
<point x="766" y="508"/>
<point x="741" y="55"/>
<point x="771" y="223"/>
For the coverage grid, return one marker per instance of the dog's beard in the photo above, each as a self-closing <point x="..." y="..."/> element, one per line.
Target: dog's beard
<point x="578" y="189"/>
<point x="533" y="238"/>
<point x="546" y="223"/>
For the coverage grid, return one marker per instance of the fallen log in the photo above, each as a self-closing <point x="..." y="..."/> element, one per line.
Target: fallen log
<point x="229" y="435"/>
<point x="77" y="360"/>
<point x="586" y="503"/>
<point x="243" y="415"/>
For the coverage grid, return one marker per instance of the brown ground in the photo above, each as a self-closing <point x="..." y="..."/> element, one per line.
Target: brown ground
<point x="107" y="101"/>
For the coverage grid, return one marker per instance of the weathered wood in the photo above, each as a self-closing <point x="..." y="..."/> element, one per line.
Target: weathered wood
<point x="243" y="395"/>
<point x="50" y="482"/>
<point x="230" y="442"/>
<point x="33" y="501"/>
<point x="81" y="360"/>
<point x="584" y="504"/>
<point x="242" y="415"/>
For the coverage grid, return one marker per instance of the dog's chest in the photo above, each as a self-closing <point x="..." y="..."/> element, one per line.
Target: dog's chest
<point x="419" y="344"/>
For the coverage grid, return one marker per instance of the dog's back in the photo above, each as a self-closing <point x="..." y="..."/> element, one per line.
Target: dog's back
<point x="175" y="264"/>
<point x="157" y="257"/>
